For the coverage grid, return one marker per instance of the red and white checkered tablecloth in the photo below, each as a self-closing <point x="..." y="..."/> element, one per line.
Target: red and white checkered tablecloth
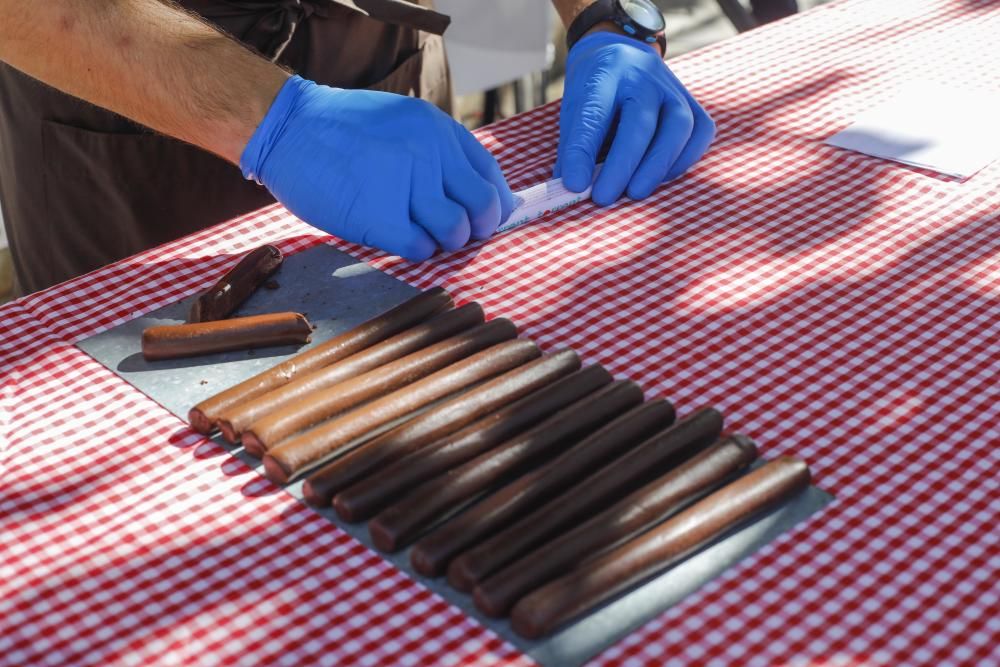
<point x="835" y="306"/>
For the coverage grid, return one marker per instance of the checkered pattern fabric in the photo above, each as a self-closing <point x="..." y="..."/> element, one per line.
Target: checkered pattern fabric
<point x="834" y="306"/>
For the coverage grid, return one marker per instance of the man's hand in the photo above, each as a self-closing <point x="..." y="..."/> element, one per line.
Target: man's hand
<point x="378" y="169"/>
<point x="375" y="168"/>
<point x="661" y="130"/>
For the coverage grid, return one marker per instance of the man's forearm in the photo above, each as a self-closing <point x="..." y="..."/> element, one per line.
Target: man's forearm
<point x="147" y="60"/>
<point x="568" y="9"/>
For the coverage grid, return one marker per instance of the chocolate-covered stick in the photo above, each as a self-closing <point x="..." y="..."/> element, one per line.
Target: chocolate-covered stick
<point x="237" y="419"/>
<point x="400" y="524"/>
<point x="636" y="512"/>
<point x="447" y="417"/>
<point x="240" y="282"/>
<point x="203" y="416"/>
<point x="370" y="495"/>
<point x="591" y="494"/>
<point x="299" y="452"/>
<point x="548" y="607"/>
<point x="534" y="489"/>
<point x="241" y="333"/>
<point x="312" y="408"/>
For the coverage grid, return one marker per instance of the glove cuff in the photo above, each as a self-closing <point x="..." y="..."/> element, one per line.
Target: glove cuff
<point x="605" y="38"/>
<point x="271" y="128"/>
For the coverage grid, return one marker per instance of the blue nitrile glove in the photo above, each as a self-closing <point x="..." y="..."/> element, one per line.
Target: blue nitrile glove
<point x="661" y="130"/>
<point x="375" y="168"/>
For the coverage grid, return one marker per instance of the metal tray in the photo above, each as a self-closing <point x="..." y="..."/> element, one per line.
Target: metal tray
<point x="337" y="292"/>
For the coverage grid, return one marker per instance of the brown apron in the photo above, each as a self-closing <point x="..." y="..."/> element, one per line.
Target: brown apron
<point x="81" y="187"/>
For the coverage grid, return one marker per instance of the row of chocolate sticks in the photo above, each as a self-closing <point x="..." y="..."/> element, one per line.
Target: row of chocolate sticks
<point x="541" y="487"/>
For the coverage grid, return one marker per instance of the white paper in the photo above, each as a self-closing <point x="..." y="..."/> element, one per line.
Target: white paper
<point x="930" y="125"/>
<point x="534" y="202"/>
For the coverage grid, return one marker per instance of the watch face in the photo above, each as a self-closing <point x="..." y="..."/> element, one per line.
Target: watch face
<point x="645" y="13"/>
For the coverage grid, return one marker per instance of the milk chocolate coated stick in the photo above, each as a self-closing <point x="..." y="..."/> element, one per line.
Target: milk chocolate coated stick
<point x="203" y="416"/>
<point x="333" y="437"/>
<point x="237" y="419"/>
<point x="313" y="407"/>
<point x="589" y="496"/>
<point x="240" y="282"/>
<point x="541" y="611"/>
<point x="534" y="489"/>
<point x="403" y="522"/>
<point x="242" y="333"/>
<point x="628" y="517"/>
<point x="372" y="494"/>
<point x="448" y="417"/>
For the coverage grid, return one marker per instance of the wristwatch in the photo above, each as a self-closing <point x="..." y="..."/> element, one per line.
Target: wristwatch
<point x="640" y="19"/>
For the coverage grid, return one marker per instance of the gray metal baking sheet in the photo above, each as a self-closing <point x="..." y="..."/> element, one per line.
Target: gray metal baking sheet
<point x="337" y="292"/>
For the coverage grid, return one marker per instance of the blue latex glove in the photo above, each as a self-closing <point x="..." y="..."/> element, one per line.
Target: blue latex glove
<point x="375" y="168"/>
<point x="661" y="130"/>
